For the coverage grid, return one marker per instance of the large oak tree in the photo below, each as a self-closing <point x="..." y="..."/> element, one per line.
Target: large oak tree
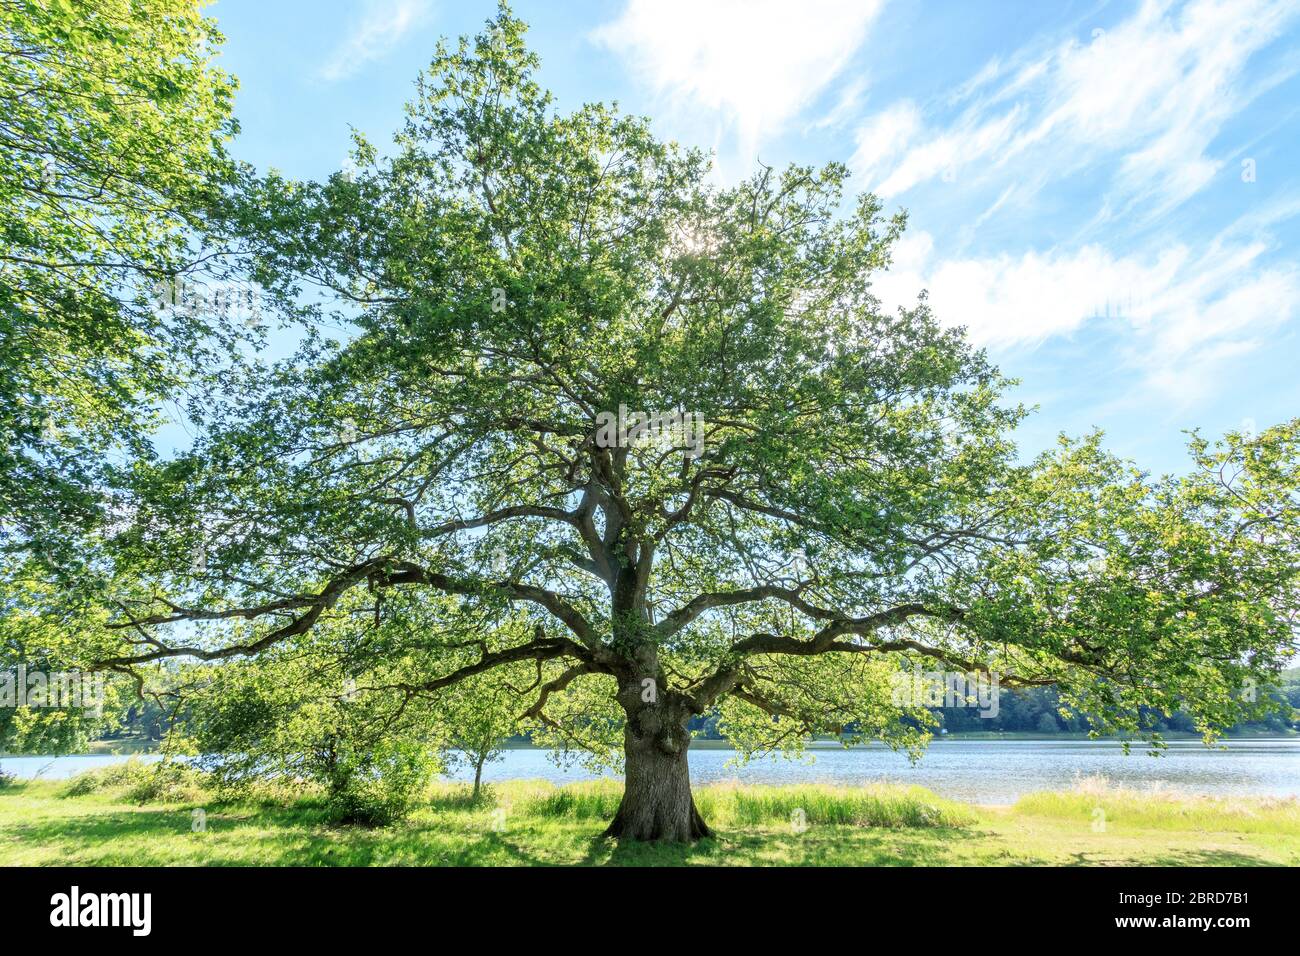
<point x="511" y="275"/>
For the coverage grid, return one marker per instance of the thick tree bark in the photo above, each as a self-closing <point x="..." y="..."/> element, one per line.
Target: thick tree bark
<point x="657" y="802"/>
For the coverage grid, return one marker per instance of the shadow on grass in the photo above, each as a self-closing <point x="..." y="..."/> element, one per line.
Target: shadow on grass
<point x="1173" y="858"/>
<point x="162" y="824"/>
<point x="822" y="846"/>
<point x="457" y="800"/>
<point x="239" y="835"/>
<point x="458" y="832"/>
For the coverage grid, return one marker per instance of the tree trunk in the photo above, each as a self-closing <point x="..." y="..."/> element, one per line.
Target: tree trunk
<point x="478" y="773"/>
<point x="657" y="802"/>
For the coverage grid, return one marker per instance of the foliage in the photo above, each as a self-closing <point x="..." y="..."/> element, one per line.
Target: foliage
<point x="341" y="707"/>
<point x="112" y="141"/>
<point x="1030" y="709"/>
<point x="92" y="781"/>
<point x="165" y="781"/>
<point x="111" y="149"/>
<point x="295" y="719"/>
<point x="35" y="630"/>
<point x="142" y="719"/>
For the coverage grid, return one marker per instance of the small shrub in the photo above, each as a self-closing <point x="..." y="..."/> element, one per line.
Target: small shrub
<point x="167" y="781"/>
<point x="114" y="777"/>
<point x="83" y="784"/>
<point x="380" y="787"/>
<point x="7" y="779"/>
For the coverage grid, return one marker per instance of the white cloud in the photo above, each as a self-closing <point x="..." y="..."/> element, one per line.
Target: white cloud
<point x="845" y="106"/>
<point x="886" y="135"/>
<point x="382" y="26"/>
<point x="1152" y="93"/>
<point x="754" y="63"/>
<point x="944" y="154"/>
<point x="1180" y="314"/>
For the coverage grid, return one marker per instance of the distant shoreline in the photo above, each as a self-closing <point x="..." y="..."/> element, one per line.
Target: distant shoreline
<point x="130" y="746"/>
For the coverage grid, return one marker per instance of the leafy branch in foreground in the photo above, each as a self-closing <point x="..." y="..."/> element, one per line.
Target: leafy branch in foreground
<point x="112" y="128"/>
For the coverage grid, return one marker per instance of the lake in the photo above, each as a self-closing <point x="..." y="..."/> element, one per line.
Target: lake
<point x="974" y="771"/>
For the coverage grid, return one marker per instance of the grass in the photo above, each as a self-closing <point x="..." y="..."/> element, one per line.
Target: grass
<point x="1094" y="800"/>
<point x="114" y="820"/>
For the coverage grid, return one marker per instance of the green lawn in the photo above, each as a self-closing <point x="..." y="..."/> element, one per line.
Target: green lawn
<point x="535" y="823"/>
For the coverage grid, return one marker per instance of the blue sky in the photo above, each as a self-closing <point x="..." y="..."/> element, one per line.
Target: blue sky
<point x="1106" y="194"/>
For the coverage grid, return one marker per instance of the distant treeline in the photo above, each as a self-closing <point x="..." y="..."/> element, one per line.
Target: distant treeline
<point x="1037" y="710"/>
<point x="1023" y="710"/>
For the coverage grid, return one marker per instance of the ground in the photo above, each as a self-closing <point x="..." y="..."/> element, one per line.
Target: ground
<point x="534" y="823"/>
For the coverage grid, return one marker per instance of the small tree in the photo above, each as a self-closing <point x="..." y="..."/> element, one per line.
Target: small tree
<point x="477" y="716"/>
<point x="815" y="487"/>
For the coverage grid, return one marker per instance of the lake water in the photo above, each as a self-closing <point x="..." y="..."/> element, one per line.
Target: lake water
<point x="974" y="771"/>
